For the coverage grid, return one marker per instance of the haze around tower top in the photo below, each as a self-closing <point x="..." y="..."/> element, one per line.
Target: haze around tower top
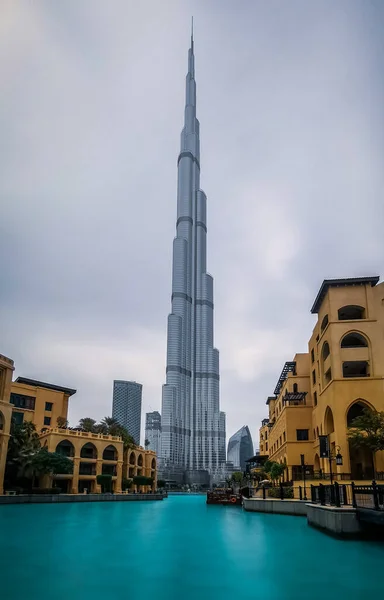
<point x="291" y="113"/>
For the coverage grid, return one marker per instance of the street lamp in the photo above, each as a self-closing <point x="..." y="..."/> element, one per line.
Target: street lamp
<point x="302" y="458"/>
<point x="337" y="457"/>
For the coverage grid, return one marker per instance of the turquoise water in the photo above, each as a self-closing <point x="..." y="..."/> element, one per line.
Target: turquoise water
<point x="178" y="548"/>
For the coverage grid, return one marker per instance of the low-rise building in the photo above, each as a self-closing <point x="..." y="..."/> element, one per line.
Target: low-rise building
<point x="40" y="402"/>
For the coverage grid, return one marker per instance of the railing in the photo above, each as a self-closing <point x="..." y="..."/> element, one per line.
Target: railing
<point x="332" y="495"/>
<point x="369" y="496"/>
<point x="359" y="496"/>
<point x="377" y="476"/>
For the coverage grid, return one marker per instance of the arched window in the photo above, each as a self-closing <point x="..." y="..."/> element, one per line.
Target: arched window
<point x="354" y="340"/>
<point x="153" y="464"/>
<point x="295" y="388"/>
<point x="325" y="351"/>
<point x="2" y="421"/>
<point x="110" y="453"/>
<point x="356" y="410"/>
<point x="88" y="451"/>
<point x="140" y="460"/>
<point x="132" y="459"/>
<point x="351" y="312"/>
<point x="65" y="448"/>
<point x="329" y="426"/>
<point x="324" y="323"/>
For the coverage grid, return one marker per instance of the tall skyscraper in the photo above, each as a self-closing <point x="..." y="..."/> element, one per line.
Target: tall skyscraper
<point x="126" y="406"/>
<point x="240" y="448"/>
<point x="153" y="430"/>
<point x="190" y="398"/>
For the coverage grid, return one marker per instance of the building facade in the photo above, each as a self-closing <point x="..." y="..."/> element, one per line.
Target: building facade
<point x="321" y="392"/>
<point x="96" y="454"/>
<point x="126" y="406"/>
<point x="153" y="431"/>
<point x="6" y="371"/>
<point x="240" y="448"/>
<point x="190" y="398"/>
<point x="40" y="402"/>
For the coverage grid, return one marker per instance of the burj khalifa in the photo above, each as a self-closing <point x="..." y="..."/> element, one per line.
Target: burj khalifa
<point x="193" y="427"/>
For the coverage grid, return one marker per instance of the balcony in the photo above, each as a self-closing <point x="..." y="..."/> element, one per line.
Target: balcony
<point x="87" y="469"/>
<point x="294" y="399"/>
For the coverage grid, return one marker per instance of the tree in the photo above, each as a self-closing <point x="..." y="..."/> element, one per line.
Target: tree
<point x="161" y="483"/>
<point x="62" y="423"/>
<point x="237" y="478"/>
<point x="142" y="480"/>
<point x="146" y="443"/>
<point x="367" y="431"/>
<point x="274" y="469"/>
<point x="110" y="426"/>
<point x="87" y="424"/>
<point x="23" y="445"/>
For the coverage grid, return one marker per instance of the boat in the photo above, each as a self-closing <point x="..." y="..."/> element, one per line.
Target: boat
<point x="224" y="496"/>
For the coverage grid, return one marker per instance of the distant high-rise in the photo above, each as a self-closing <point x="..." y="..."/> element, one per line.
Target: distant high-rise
<point x="240" y="448"/>
<point x="191" y="420"/>
<point x="153" y="430"/>
<point x="126" y="406"/>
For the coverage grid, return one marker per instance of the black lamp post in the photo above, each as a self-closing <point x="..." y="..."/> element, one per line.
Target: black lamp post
<point x="302" y="457"/>
<point x="337" y="457"/>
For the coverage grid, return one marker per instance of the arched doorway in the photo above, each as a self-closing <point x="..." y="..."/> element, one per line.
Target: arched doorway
<point x="65" y="448"/>
<point x="361" y="459"/>
<point x="88" y="451"/>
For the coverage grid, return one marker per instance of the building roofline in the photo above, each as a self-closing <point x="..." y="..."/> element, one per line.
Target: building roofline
<point x="46" y="386"/>
<point x="350" y="281"/>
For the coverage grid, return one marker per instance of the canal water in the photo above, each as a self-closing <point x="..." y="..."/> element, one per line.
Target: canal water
<point x="179" y="548"/>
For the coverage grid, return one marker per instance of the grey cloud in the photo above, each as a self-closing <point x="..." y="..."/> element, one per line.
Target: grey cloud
<point x="290" y="105"/>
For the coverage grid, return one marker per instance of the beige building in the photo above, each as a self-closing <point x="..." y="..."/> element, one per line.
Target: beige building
<point x="320" y="393"/>
<point x="6" y="370"/>
<point x="39" y="402"/>
<point x="93" y="454"/>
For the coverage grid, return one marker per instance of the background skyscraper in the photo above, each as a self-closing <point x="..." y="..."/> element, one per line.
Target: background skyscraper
<point x="240" y="448"/>
<point x="190" y="400"/>
<point x="126" y="406"/>
<point x="153" y="430"/>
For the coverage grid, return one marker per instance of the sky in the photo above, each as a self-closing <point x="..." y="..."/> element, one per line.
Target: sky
<point x="290" y="102"/>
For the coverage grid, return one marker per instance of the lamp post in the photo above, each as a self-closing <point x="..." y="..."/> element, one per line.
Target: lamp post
<point x="337" y="457"/>
<point x="302" y="457"/>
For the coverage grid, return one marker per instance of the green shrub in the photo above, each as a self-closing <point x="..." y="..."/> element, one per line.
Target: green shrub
<point x="105" y="481"/>
<point x="276" y="493"/>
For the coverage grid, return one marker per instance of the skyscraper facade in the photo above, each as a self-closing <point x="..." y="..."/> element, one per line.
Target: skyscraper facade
<point x="240" y="448"/>
<point x="190" y="398"/>
<point x="126" y="406"/>
<point x="153" y="430"/>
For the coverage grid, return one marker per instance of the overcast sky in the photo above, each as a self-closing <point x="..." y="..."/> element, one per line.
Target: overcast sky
<point x="290" y="101"/>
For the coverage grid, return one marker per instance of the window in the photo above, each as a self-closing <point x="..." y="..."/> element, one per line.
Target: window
<point x="48" y="406"/>
<point x="280" y="440"/>
<point x="328" y="376"/>
<point x="325" y="351"/>
<point x="312" y="355"/>
<point x="22" y="401"/>
<point x="351" y="313"/>
<point x="302" y="435"/>
<point x="295" y="388"/>
<point x="324" y="323"/>
<point x="313" y="377"/>
<point x="284" y="437"/>
<point x="315" y="398"/>
<point x="354" y="340"/>
<point x="317" y="338"/>
<point x="356" y="368"/>
<point x="47" y="420"/>
<point x="266" y="446"/>
<point x="17" y="418"/>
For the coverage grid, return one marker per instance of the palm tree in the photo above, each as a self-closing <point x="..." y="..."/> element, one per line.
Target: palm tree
<point x="87" y="424"/>
<point x="146" y="443"/>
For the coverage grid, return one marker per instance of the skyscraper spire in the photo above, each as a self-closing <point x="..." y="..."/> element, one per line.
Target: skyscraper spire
<point x="191" y="418"/>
